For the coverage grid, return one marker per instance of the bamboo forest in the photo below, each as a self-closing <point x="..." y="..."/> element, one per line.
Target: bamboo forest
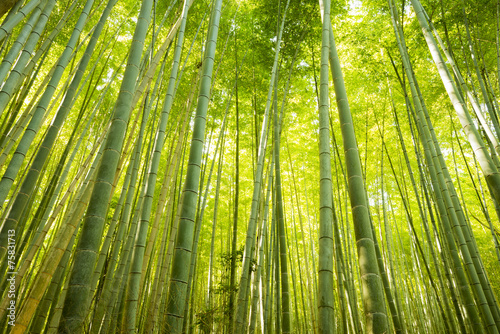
<point x="246" y="166"/>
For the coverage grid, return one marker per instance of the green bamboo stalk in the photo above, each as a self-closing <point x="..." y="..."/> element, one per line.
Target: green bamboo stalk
<point x="132" y="288"/>
<point x="173" y="217"/>
<point x="298" y="319"/>
<point x="27" y="118"/>
<point x="193" y="270"/>
<point x="42" y="155"/>
<point x="245" y="273"/>
<point x="462" y="87"/>
<point x="268" y="313"/>
<point x="489" y="169"/>
<point x="76" y="303"/>
<point x="219" y="141"/>
<point x="21" y="69"/>
<point x="376" y="318"/>
<point x="424" y="221"/>
<point x="489" y="311"/>
<point x="23" y="146"/>
<point x="61" y="172"/>
<point x="234" y="241"/>
<point x="14" y="20"/>
<point x="182" y="255"/>
<point x="13" y="10"/>
<point x="207" y="327"/>
<point x="453" y="250"/>
<point x="416" y="239"/>
<point x="17" y="45"/>
<point x="56" y="316"/>
<point x="13" y="81"/>
<point x="326" y="301"/>
<point x="123" y="213"/>
<point x="137" y="203"/>
<point x="276" y="268"/>
<point x="304" y="250"/>
<point x="139" y="248"/>
<point x="131" y="295"/>
<point x="209" y="298"/>
<point x="342" y="247"/>
<point x="43" y="227"/>
<point x="285" y="294"/>
<point x="489" y="88"/>
<point x="399" y="322"/>
<point x="114" y="308"/>
<point x="42" y="313"/>
<point x="486" y="98"/>
<point x="173" y="175"/>
<point x="160" y="267"/>
<point x="258" y="279"/>
<point x="395" y="314"/>
<point x="165" y="113"/>
<point x="56" y="252"/>
<point x="441" y="191"/>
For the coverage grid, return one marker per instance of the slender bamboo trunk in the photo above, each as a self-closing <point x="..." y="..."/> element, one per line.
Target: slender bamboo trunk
<point x="376" y="318"/>
<point x="76" y="303"/>
<point x="326" y="301"/>
<point x="232" y="287"/>
<point x="184" y="243"/>
<point x="250" y="237"/>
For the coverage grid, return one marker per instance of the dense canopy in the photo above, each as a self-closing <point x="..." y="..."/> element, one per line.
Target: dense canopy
<point x="250" y="166"/>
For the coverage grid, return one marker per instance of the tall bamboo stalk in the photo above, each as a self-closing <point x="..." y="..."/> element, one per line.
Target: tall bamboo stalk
<point x="182" y="256"/>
